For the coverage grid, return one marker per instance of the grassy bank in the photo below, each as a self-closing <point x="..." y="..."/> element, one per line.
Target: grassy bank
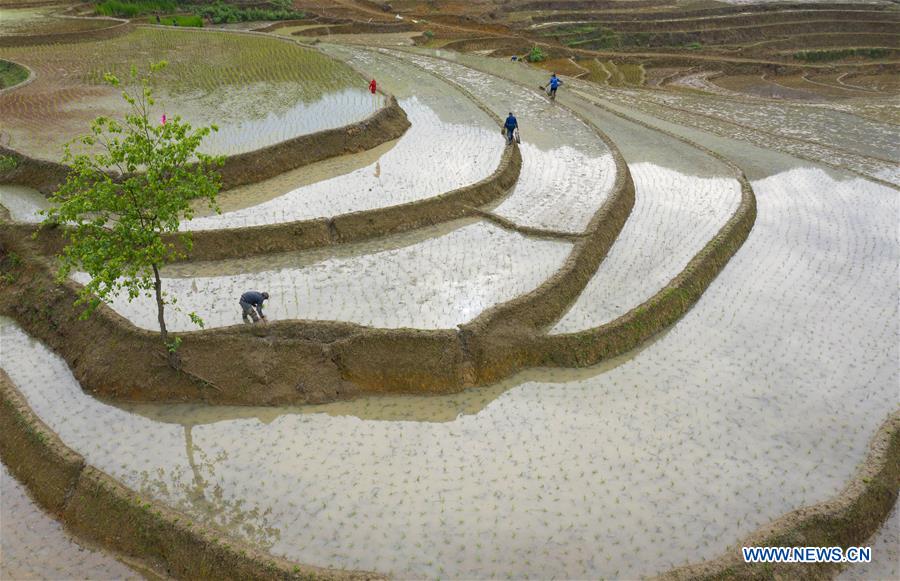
<point x="11" y="74"/>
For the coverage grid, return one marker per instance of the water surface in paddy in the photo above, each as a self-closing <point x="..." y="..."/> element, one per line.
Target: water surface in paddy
<point x="741" y="412"/>
<point x="258" y="90"/>
<point x="416" y="167"/>
<point x="451" y="143"/>
<point x="815" y="132"/>
<point x="436" y="283"/>
<point x="683" y="197"/>
<point x="567" y="171"/>
<point x="35" y="546"/>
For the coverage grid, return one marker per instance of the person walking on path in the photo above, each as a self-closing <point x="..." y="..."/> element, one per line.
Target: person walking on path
<point x="554" y="84"/>
<point x="252" y="306"/>
<point x="510" y="127"/>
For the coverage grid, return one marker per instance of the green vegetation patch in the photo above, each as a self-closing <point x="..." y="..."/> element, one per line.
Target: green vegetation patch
<point x="220" y="12"/>
<point x="818" y="56"/>
<point x="7" y="163"/>
<point x="536" y="55"/>
<point x="271" y="73"/>
<point x="186" y="20"/>
<point x="11" y="74"/>
<point x="132" y="8"/>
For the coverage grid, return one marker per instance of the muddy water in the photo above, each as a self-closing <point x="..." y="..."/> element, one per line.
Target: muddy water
<point x="674" y="216"/>
<point x="448" y="131"/>
<point x="567" y="172"/>
<point x="284" y="183"/>
<point x="436" y="283"/>
<point x="35" y="546"/>
<point x="256" y="129"/>
<point x="257" y="90"/>
<point x="762" y="399"/>
<point x="815" y="132"/>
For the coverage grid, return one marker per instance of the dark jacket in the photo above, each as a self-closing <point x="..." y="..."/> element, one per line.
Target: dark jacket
<point x="511" y="123"/>
<point x="254" y="298"/>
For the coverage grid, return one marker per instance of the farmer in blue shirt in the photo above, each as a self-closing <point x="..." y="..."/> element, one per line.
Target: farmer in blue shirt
<point x="252" y="303"/>
<point x="510" y="127"/>
<point x="554" y="84"/>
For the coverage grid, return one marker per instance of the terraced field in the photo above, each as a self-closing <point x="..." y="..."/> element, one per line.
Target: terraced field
<point x="258" y="90"/>
<point x="45" y="20"/>
<point x="678" y="323"/>
<point x="35" y="546"/>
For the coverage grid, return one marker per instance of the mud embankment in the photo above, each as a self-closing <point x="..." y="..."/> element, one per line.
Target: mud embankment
<point x="116" y="28"/>
<point x="99" y="509"/>
<point x="279" y="364"/>
<point x="386" y="124"/>
<point x="359" y="226"/>
<point x="687" y="15"/>
<point x="356" y="28"/>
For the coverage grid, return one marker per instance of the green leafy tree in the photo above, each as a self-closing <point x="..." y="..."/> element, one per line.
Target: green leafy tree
<point x="134" y="182"/>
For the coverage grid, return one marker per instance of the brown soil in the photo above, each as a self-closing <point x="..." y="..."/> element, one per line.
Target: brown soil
<point x="112" y="29"/>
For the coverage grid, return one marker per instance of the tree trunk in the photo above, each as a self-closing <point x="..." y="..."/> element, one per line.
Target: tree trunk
<point x="173" y="358"/>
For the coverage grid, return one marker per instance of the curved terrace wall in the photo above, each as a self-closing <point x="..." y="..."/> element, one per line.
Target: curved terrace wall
<point x="117" y="28"/>
<point x="387" y="124"/>
<point x="321" y="361"/>
<point x="100" y="509"/>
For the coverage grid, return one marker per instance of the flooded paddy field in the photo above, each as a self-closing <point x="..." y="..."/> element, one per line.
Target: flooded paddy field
<point x="258" y="90"/>
<point x="451" y="143"/>
<point x="45" y="20"/>
<point x="567" y="172"/>
<point x="35" y="546"/>
<point x="439" y="282"/>
<point x="24" y="204"/>
<point x="674" y="216"/>
<point x="760" y="400"/>
<point x="855" y="135"/>
<point x="677" y="451"/>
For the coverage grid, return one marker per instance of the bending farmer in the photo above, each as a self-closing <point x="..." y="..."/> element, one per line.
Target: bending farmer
<point x="510" y="127"/>
<point x="252" y="305"/>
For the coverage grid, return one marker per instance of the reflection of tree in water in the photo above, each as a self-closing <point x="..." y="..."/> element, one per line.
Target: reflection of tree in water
<point x="200" y="497"/>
